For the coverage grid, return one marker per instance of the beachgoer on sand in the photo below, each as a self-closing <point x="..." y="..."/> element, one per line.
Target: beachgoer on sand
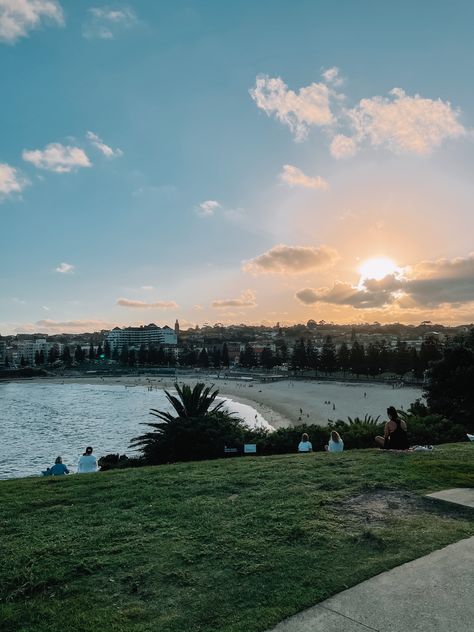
<point x="395" y="434"/>
<point x="58" y="469"/>
<point x="87" y="462"/>
<point x="305" y="444"/>
<point x="336" y="444"/>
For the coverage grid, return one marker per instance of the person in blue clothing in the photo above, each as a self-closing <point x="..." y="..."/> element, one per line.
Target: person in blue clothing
<point x="336" y="444"/>
<point x="58" y="469"/>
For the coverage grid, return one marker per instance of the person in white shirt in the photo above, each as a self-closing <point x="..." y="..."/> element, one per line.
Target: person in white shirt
<point x="336" y="444"/>
<point x="305" y="444"/>
<point x="87" y="462"/>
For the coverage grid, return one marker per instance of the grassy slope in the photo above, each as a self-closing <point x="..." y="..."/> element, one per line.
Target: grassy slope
<point x="224" y="545"/>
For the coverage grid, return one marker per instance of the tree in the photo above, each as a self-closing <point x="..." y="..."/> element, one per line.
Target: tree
<point x="247" y="357"/>
<point x="203" y="359"/>
<point x="53" y="354"/>
<point x="429" y="352"/>
<point x="225" y="355"/>
<point x="78" y="354"/>
<point x="401" y="358"/>
<point x="198" y="429"/>
<point x="312" y="356"/>
<point x="115" y="354"/>
<point x="142" y="354"/>
<point x="23" y="361"/>
<point x="450" y="391"/>
<point x="298" y="357"/>
<point x="37" y="357"/>
<point x="91" y="352"/>
<point x="216" y="358"/>
<point x="267" y="358"/>
<point x="100" y="351"/>
<point x="132" y="358"/>
<point x="66" y="355"/>
<point x="107" y="352"/>
<point x="343" y="358"/>
<point x="124" y="355"/>
<point x="328" y="356"/>
<point x="357" y="358"/>
<point x="373" y="359"/>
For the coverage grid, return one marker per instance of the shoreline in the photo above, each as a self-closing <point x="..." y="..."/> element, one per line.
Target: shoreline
<point x="281" y="404"/>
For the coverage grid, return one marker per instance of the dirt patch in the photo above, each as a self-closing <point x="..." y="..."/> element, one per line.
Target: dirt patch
<point x="381" y="504"/>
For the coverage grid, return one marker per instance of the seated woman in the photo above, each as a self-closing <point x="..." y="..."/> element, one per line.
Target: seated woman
<point x="336" y="444"/>
<point x="305" y="444"/>
<point x="58" y="469"/>
<point x="395" y="435"/>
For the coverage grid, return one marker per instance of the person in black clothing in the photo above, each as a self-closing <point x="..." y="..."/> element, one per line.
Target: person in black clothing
<point x="395" y="434"/>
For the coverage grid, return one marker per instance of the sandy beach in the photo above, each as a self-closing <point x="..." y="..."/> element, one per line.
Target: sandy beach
<point x="287" y="402"/>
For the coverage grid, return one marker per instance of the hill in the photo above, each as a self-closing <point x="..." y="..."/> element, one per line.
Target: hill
<point x="228" y="545"/>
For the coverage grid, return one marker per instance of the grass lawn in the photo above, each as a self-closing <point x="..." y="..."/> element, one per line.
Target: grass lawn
<point x="233" y="545"/>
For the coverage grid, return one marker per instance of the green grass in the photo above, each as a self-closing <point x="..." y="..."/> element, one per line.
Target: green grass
<point x="232" y="545"/>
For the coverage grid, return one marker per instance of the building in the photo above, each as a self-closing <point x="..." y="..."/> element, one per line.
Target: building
<point x="27" y="350"/>
<point x="135" y="337"/>
<point x="3" y="353"/>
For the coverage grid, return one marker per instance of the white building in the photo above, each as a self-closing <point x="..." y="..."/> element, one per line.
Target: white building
<point x="134" y="337"/>
<point x="28" y="348"/>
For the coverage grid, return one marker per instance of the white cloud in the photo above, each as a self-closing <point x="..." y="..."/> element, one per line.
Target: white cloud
<point x="284" y="260"/>
<point x="68" y="326"/>
<point x="99" y="144"/>
<point x="11" y="181"/>
<point x="147" y="288"/>
<point x="57" y="157"/>
<point x="331" y="75"/>
<point x="65" y="268"/>
<point x="399" y="122"/>
<point x="18" y="17"/>
<point x="106" y="23"/>
<point x="342" y="146"/>
<point x="246" y="299"/>
<point x="207" y="208"/>
<point x="299" y="110"/>
<point x="404" y="123"/>
<point x="126" y="302"/>
<point x="295" y="177"/>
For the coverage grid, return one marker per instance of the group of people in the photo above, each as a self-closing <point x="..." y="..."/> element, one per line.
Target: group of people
<point x="395" y="436"/>
<point x="87" y="463"/>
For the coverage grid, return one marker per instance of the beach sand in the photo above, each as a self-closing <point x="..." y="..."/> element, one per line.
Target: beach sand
<point x="287" y="402"/>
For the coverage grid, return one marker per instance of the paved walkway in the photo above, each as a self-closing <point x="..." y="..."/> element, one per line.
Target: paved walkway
<point x="434" y="593"/>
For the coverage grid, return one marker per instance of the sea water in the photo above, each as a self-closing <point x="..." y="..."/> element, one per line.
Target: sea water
<point x="40" y="421"/>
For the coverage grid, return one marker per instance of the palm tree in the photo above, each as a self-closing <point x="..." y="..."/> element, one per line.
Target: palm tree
<point x="198" y="430"/>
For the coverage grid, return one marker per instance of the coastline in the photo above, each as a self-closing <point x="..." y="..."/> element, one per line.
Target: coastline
<point x="282" y="404"/>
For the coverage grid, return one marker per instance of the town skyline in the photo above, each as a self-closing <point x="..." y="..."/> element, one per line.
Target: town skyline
<point x="226" y="165"/>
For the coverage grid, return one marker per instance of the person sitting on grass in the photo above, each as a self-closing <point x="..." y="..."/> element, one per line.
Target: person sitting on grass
<point x="336" y="444"/>
<point x="395" y="434"/>
<point x="58" y="469"/>
<point x="87" y="462"/>
<point x="305" y="444"/>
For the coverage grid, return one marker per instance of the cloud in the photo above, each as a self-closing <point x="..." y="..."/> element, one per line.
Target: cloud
<point x="331" y="75"/>
<point x="99" y="144"/>
<point x="299" y="110"/>
<point x="404" y="123"/>
<point x="207" y="208"/>
<point x="68" y="326"/>
<point x="342" y="146"/>
<point x="295" y="177"/>
<point x="399" y="122"/>
<point x="106" y="23"/>
<point x="428" y="284"/>
<point x="58" y="158"/>
<point x="65" y="268"/>
<point x="283" y="259"/>
<point x="18" y="17"/>
<point x="246" y="299"/>
<point x="126" y="302"/>
<point x="147" y="288"/>
<point x="11" y="181"/>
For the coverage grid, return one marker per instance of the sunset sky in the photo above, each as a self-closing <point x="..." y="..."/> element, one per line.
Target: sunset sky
<point x="235" y="162"/>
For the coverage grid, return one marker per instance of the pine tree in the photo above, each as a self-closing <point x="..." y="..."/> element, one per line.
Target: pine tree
<point x="91" y="352"/>
<point x="78" y="354"/>
<point x="66" y="355"/>
<point x="100" y="352"/>
<point x="267" y="359"/>
<point x="328" y="356"/>
<point x="37" y="357"/>
<point x="161" y="358"/>
<point x="372" y="359"/>
<point x="298" y="358"/>
<point x="142" y="355"/>
<point x="312" y="356"/>
<point x="124" y="355"/>
<point x="225" y="355"/>
<point x="23" y="361"/>
<point x="343" y="358"/>
<point x="107" y="352"/>
<point x="216" y="358"/>
<point x="42" y="359"/>
<point x="203" y="359"/>
<point x="358" y="358"/>
<point x="115" y="355"/>
<point x="132" y="357"/>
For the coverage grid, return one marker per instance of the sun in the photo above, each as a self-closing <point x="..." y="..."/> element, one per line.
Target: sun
<point x="378" y="268"/>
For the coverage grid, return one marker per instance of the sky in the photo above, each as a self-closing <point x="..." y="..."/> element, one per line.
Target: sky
<point x="258" y="161"/>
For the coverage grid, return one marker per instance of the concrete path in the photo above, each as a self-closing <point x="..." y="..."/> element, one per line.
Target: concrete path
<point x="459" y="496"/>
<point x="434" y="593"/>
